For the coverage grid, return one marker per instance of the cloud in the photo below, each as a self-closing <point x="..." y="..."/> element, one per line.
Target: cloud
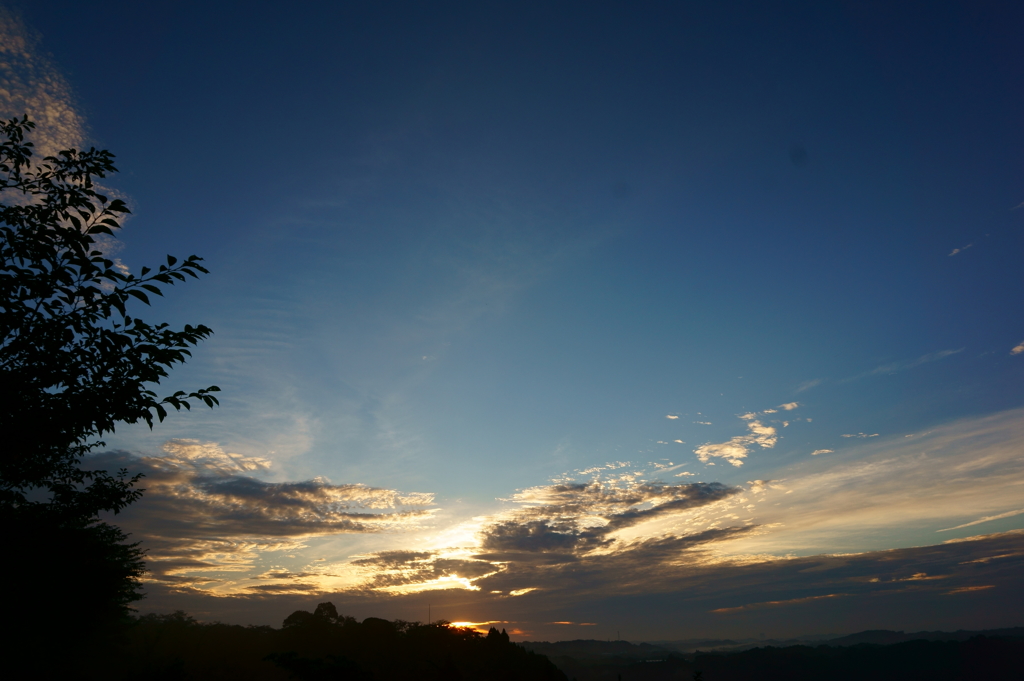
<point x="611" y="541"/>
<point x="969" y="589"/>
<point x="807" y="385"/>
<point x="895" y="367"/>
<point x="886" y="491"/>
<point x="772" y="604"/>
<point x="211" y="527"/>
<point x="736" y="449"/>
<point x="569" y="519"/>
<point x="645" y="587"/>
<point x="859" y="435"/>
<point x="822" y="451"/>
<point x="30" y="83"/>
<point x="208" y="458"/>
<point x="686" y="573"/>
<point x="1017" y="349"/>
<point x="979" y="521"/>
<point x="960" y="250"/>
<point x="761" y="486"/>
<point x="789" y="406"/>
<point x="638" y="566"/>
<point x="590" y="523"/>
<point x="395" y="571"/>
<point x="202" y="511"/>
<point x="533" y="536"/>
<point x="670" y="416"/>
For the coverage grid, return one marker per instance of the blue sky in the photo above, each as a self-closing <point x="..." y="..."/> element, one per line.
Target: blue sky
<point x="499" y="289"/>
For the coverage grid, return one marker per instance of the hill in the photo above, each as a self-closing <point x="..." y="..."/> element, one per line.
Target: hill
<point x="879" y="655"/>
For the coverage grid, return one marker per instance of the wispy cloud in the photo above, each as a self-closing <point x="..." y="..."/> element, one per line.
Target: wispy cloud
<point x="960" y="250"/>
<point x="861" y="435"/>
<point x="979" y="521"/>
<point x="1017" y="349"/>
<point x="903" y="365"/>
<point x="670" y="416"/>
<point x="969" y="589"/>
<point x="807" y="385"/>
<point x="822" y="451"/>
<point x="774" y="604"/>
<point x="910" y="364"/>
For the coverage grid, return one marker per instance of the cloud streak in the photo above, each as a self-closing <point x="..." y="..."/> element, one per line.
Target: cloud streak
<point x="979" y="521"/>
<point x="895" y="367"/>
<point x="772" y="604"/>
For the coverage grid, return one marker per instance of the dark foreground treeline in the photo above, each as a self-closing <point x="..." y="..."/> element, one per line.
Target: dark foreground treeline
<point x="982" y="658"/>
<point x="309" y="646"/>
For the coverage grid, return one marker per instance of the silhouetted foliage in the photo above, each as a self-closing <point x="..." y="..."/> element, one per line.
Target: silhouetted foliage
<point x="73" y="364"/>
<point x="321" y="645"/>
<point x="403" y="650"/>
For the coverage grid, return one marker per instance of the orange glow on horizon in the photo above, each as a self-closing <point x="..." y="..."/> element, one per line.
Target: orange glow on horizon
<point x="482" y="627"/>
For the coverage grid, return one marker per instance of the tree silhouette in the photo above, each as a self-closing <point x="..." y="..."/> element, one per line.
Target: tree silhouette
<point x="324" y="644"/>
<point x="73" y="363"/>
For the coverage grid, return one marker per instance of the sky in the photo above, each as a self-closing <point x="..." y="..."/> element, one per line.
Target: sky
<point x="654" y="320"/>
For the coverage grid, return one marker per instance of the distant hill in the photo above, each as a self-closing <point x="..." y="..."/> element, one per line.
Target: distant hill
<point x="885" y="637"/>
<point x="880" y="655"/>
<point x="587" y="648"/>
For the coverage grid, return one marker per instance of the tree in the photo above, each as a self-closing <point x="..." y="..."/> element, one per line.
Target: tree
<point x="73" y="361"/>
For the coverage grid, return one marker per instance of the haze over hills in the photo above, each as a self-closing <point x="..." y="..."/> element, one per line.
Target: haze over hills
<point x="584" y="648"/>
<point x="877" y="654"/>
